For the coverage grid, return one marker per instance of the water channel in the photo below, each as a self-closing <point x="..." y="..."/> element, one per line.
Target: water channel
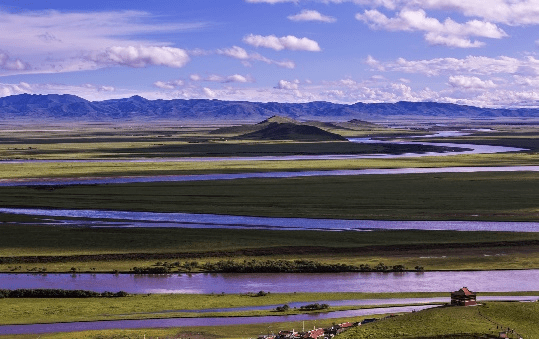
<point x="127" y="219"/>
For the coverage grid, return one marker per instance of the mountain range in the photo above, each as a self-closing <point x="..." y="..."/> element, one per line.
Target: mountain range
<point x="55" y="107"/>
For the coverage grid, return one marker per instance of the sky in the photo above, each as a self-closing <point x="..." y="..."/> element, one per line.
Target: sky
<point x="474" y="52"/>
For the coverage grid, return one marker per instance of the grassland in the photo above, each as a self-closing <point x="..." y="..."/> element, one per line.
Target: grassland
<point x="214" y="332"/>
<point x="462" y="322"/>
<point x="471" y="196"/>
<point x="26" y="248"/>
<point x="445" y="196"/>
<point x="50" y="310"/>
<point x="521" y="317"/>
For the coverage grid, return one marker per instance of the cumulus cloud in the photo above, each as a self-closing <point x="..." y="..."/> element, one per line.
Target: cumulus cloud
<point x="209" y="93"/>
<point x="235" y="52"/>
<point x="470" y="65"/>
<point x="469" y="82"/>
<point x="52" y="41"/>
<point x="511" y="12"/>
<point x="289" y="42"/>
<point x="311" y="15"/>
<point x="238" y="78"/>
<point x="142" y="56"/>
<point x="106" y="89"/>
<point x="449" y="32"/>
<point x="241" y="54"/>
<point x="288" y="85"/>
<point x="168" y="84"/>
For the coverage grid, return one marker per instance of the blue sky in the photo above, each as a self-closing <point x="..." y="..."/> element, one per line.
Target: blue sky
<point x="474" y="52"/>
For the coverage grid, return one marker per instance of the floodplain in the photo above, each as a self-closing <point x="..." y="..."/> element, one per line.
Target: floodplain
<point x="32" y="244"/>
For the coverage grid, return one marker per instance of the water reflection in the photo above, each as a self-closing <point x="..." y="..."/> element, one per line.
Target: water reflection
<point x="484" y="281"/>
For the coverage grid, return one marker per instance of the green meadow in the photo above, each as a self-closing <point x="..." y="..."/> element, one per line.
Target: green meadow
<point x="498" y="196"/>
<point x="50" y="310"/>
<point x="438" y="323"/>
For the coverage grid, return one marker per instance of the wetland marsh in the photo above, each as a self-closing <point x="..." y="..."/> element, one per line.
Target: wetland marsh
<point x="79" y="227"/>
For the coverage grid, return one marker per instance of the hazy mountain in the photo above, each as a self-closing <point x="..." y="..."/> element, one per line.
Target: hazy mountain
<point x="73" y="108"/>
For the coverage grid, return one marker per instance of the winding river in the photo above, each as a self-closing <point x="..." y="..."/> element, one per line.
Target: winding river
<point x="128" y="219"/>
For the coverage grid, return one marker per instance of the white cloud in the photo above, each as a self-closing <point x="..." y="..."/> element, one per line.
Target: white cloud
<point x="237" y="78"/>
<point x="209" y="93"/>
<point x="288" y="85"/>
<point x="311" y="15"/>
<point x="142" y="56"/>
<point x="169" y="84"/>
<point x="468" y="82"/>
<point x="270" y="1"/>
<point x="452" y="41"/>
<point x="289" y="42"/>
<point x="222" y="79"/>
<point x="241" y="54"/>
<point x="449" y="33"/>
<point x="511" y="12"/>
<point x="52" y="41"/>
<point x="470" y="65"/>
<point x="106" y="89"/>
<point x="235" y="52"/>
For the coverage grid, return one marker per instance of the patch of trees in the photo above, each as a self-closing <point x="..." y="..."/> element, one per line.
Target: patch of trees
<point x="314" y="307"/>
<point x="283" y="308"/>
<point x="166" y="267"/>
<point x="295" y="266"/>
<point x="58" y="293"/>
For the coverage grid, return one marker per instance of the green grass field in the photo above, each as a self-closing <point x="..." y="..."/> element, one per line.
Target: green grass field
<point x="471" y="196"/>
<point x="520" y="317"/>
<point x="50" y="310"/>
<point x="446" y="196"/>
<point x="112" y="169"/>
<point x="461" y="322"/>
<point x="109" y="249"/>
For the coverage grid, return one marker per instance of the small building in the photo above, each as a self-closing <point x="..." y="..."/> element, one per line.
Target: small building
<point x="463" y="297"/>
<point x="314" y="334"/>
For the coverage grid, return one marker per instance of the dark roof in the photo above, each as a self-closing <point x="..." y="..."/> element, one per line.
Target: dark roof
<point x="463" y="291"/>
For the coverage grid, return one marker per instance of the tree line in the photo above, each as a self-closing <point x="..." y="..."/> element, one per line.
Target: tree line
<point x="58" y="293"/>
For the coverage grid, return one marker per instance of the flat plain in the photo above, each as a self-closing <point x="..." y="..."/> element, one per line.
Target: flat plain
<point x="29" y="245"/>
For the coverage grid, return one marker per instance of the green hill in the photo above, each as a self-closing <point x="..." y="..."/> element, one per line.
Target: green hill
<point x="281" y="128"/>
<point x="290" y="131"/>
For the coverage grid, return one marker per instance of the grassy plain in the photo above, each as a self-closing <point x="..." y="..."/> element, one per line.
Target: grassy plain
<point x="26" y="248"/>
<point x="12" y="171"/>
<point x="496" y="196"/>
<point x="50" y="310"/>
<point x="520" y="317"/>
<point x="470" y="196"/>
<point x="213" y="332"/>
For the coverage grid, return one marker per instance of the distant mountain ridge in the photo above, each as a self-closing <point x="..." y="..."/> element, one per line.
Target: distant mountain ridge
<point x="72" y="108"/>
